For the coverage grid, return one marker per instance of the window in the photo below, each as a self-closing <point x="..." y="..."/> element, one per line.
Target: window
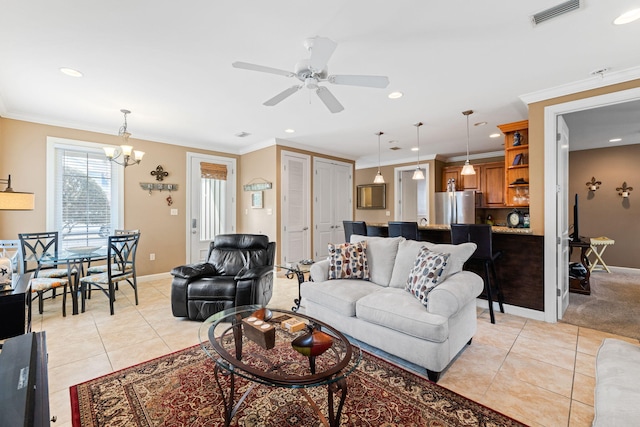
<point x="212" y="212"/>
<point x="85" y="190"/>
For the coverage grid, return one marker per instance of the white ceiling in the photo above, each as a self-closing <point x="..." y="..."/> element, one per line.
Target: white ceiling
<point x="170" y="64"/>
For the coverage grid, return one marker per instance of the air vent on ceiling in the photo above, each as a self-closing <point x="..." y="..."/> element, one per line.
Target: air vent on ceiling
<point x="395" y="148"/>
<point x="242" y="134"/>
<point x="555" y="11"/>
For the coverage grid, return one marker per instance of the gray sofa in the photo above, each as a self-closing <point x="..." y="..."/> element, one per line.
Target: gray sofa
<point x="617" y="393"/>
<point x="381" y="313"/>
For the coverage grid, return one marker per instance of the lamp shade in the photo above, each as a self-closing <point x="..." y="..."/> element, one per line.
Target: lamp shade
<point x="418" y="174"/>
<point x="468" y="169"/>
<point x="15" y="201"/>
<point x="379" y="179"/>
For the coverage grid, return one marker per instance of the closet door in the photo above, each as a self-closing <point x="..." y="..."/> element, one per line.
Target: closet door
<point x="296" y="202"/>
<point x="332" y="203"/>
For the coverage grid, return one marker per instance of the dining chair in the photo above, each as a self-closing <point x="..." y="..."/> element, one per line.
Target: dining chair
<point x="33" y="247"/>
<point x="102" y="268"/>
<point x="121" y="253"/>
<point x="354" y="227"/>
<point x="10" y="249"/>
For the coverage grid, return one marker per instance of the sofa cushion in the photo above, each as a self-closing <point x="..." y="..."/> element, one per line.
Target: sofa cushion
<point x="426" y="274"/>
<point x="408" y="251"/>
<point x="348" y="261"/>
<point x="398" y="310"/>
<point x="381" y="256"/>
<point x="339" y="295"/>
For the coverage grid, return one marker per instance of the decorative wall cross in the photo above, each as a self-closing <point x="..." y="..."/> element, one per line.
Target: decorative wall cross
<point x="159" y="173"/>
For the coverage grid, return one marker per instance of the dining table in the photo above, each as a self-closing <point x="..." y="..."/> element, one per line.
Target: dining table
<point x="75" y="260"/>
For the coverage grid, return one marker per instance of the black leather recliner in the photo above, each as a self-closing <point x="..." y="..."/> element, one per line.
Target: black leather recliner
<point x="238" y="271"/>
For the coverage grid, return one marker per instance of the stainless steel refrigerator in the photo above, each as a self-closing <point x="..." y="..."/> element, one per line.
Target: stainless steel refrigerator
<point x="456" y="207"/>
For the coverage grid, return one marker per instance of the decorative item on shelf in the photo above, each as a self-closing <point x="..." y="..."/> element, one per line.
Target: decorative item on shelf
<point x="418" y="174"/>
<point x="379" y="179"/>
<point x="624" y="190"/>
<point x="520" y="181"/>
<point x="153" y="186"/>
<point x="517" y="160"/>
<point x="112" y="153"/>
<point x="489" y="219"/>
<point x="515" y="219"/>
<point x="593" y="185"/>
<point x="257" y="200"/>
<point x="258" y="186"/>
<point x="467" y="169"/>
<point x="312" y="344"/>
<point x="517" y="139"/>
<point x="13" y="200"/>
<point x="159" y="173"/>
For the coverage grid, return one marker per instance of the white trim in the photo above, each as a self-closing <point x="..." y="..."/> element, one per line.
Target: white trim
<point x="117" y="176"/>
<point x="594" y="82"/>
<point x="550" y="179"/>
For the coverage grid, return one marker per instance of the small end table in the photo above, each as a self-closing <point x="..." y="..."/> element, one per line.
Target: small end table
<point x="599" y="241"/>
<point x="299" y="269"/>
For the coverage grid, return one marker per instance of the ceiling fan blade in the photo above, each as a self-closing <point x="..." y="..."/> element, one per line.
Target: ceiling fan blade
<point x="321" y="50"/>
<point x="261" y="68"/>
<point x="282" y="96"/>
<point x="367" y="81"/>
<point x="329" y="100"/>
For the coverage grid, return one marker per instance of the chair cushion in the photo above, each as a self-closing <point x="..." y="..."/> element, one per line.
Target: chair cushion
<point x="348" y="261"/>
<point x="381" y="256"/>
<point x="211" y="288"/>
<point x="397" y="310"/>
<point x="54" y="272"/>
<point x="103" y="278"/>
<point x="426" y="273"/>
<point x="103" y="268"/>
<point x="39" y="284"/>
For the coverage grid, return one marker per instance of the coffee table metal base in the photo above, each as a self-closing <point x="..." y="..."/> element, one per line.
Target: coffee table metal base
<point x="230" y="409"/>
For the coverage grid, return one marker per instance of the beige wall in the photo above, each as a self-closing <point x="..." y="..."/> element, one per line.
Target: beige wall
<point x="604" y="212"/>
<point x="23" y="148"/>
<point x="258" y="167"/>
<point x="536" y="147"/>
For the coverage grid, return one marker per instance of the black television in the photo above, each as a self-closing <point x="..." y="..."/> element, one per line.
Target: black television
<point x="575" y="236"/>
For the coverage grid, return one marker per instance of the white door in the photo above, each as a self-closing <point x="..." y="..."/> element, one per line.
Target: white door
<point x="296" y="219"/>
<point x="412" y="196"/>
<point x="211" y="203"/>
<point x="562" y="199"/>
<point x="332" y="203"/>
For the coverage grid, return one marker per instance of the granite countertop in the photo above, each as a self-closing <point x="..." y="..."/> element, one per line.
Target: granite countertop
<point x="495" y="229"/>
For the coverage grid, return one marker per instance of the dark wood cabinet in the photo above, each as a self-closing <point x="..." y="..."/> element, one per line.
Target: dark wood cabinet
<point x="493" y="184"/>
<point x="13" y="309"/>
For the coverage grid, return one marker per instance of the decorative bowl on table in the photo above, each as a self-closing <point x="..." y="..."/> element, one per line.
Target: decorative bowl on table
<point x="83" y="250"/>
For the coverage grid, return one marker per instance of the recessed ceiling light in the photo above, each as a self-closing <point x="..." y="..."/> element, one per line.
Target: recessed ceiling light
<point x="480" y="124"/>
<point x="494" y="135"/>
<point x="615" y="140"/>
<point x="395" y="95"/>
<point x="414" y="148"/>
<point x="289" y="130"/>
<point x="70" y="72"/>
<point x="627" y="17"/>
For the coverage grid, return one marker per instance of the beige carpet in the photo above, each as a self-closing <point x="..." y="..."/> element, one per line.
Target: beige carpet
<point x="613" y="306"/>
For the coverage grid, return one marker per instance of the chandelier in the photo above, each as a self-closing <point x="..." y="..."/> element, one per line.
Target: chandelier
<point x="125" y="151"/>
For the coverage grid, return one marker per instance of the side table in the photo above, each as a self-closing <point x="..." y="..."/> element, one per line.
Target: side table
<point x="299" y="269"/>
<point x="581" y="284"/>
<point x="15" y="303"/>
<point x="599" y="241"/>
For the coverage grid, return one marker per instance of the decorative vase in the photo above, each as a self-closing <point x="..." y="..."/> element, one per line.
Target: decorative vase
<point x="312" y="344"/>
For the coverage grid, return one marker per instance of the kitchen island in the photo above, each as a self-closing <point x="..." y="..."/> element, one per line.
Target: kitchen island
<point x="520" y="269"/>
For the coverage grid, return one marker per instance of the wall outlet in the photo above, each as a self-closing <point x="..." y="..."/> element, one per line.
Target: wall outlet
<point x="388" y="213"/>
<point x="152" y="257"/>
<point x="174" y="211"/>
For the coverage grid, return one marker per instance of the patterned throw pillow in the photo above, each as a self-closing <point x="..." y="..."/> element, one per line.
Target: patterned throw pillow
<point x="348" y="261"/>
<point x="427" y="273"/>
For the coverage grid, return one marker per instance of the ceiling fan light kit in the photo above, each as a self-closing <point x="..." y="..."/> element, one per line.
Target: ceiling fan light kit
<point x="313" y="71"/>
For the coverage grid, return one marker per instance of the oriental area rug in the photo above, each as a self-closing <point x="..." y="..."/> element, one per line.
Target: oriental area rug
<point x="179" y="389"/>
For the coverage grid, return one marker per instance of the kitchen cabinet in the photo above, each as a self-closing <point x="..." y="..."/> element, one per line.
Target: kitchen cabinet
<point x="492" y="178"/>
<point x="516" y="163"/>
<point x="463" y="182"/>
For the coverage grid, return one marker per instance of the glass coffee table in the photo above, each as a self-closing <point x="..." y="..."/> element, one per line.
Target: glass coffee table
<point x="261" y="351"/>
<point x="299" y="268"/>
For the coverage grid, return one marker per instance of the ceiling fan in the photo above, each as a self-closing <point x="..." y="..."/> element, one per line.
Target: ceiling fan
<point x="313" y="71"/>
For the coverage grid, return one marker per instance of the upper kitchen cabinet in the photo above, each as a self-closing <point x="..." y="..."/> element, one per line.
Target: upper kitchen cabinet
<point x="516" y="163"/>
<point x="492" y="176"/>
<point x="463" y="182"/>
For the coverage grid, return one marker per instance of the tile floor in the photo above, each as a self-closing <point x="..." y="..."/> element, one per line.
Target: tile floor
<point x="538" y="373"/>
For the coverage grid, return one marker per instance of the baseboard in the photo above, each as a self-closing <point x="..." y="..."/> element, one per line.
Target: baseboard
<point x="512" y="309"/>
<point x="152" y="277"/>
<point x="621" y="270"/>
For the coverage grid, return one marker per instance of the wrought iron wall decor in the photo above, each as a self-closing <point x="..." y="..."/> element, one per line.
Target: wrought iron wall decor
<point x="159" y="173"/>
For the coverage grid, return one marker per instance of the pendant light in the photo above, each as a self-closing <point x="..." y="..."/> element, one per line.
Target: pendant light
<point x="417" y="175"/>
<point x="379" y="179"/>
<point x="467" y="169"/>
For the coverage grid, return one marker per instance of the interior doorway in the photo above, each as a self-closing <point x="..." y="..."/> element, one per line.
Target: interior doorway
<point x="411" y="197"/>
<point x="551" y="164"/>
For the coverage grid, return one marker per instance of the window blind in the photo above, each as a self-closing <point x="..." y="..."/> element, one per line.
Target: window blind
<point x="213" y="171"/>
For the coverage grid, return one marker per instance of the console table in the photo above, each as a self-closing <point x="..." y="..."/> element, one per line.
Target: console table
<point x="580" y="284"/>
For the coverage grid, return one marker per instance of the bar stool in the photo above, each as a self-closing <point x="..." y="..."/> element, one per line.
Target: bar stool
<point x="406" y="229"/>
<point x="481" y="235"/>
<point x="599" y="241"/>
<point x="354" y="227"/>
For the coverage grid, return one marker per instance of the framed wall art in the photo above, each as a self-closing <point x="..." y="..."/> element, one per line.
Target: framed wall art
<point x="256" y="200"/>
